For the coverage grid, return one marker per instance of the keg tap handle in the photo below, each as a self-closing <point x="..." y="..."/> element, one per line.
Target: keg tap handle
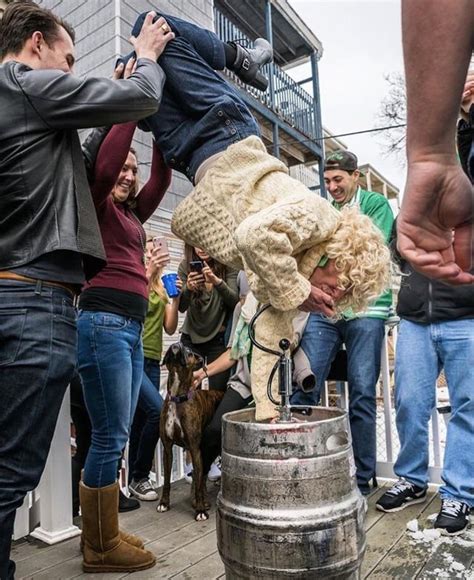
<point x="284" y="367"/>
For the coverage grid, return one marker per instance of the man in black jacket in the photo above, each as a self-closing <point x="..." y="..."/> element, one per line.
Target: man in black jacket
<point x="436" y="332"/>
<point x="49" y="237"/>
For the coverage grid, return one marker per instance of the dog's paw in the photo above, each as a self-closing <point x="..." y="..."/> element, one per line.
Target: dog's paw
<point x="162" y="507"/>
<point x="201" y="516"/>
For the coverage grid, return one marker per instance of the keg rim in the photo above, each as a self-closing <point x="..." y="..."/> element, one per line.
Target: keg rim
<point x="338" y="414"/>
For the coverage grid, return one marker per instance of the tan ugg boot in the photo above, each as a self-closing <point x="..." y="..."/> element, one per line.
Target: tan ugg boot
<point x="129" y="538"/>
<point x="104" y="548"/>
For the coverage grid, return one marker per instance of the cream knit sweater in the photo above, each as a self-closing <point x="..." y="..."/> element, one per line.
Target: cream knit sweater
<point x="248" y="213"/>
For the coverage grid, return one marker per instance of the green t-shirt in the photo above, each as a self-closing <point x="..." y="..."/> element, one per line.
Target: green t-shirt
<point x="376" y="207"/>
<point x="153" y="326"/>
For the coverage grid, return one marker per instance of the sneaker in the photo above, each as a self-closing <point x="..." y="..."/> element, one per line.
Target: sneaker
<point x="143" y="489"/>
<point x="400" y="495"/>
<point x="453" y="517"/>
<point x="215" y="471"/>
<point x="188" y="472"/>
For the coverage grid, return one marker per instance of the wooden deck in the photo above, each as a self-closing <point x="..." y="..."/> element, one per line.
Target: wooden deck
<point x="186" y="549"/>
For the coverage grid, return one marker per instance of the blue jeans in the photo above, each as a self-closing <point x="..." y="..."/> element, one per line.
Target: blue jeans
<point x="422" y="351"/>
<point x="37" y="358"/>
<point x="146" y="423"/>
<point x="110" y="358"/>
<point x="363" y="338"/>
<point x="200" y="113"/>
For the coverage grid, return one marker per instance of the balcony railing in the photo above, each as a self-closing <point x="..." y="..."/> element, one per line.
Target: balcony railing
<point x="283" y="96"/>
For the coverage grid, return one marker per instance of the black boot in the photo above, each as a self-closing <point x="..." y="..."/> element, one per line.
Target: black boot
<point x="127" y="504"/>
<point x="249" y="61"/>
<point x="76" y="478"/>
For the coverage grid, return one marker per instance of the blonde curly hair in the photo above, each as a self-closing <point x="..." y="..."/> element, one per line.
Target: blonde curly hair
<point x="361" y="256"/>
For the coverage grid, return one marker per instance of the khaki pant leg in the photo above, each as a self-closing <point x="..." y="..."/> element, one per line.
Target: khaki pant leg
<point x="271" y="327"/>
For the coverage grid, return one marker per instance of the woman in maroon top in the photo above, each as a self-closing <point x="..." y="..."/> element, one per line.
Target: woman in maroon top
<point x="112" y="309"/>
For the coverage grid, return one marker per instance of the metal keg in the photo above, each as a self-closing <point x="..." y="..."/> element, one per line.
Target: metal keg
<point x="289" y="506"/>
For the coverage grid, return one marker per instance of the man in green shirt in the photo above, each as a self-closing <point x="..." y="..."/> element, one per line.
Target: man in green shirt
<point x="362" y="333"/>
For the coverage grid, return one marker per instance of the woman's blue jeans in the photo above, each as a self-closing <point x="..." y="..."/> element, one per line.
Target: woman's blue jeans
<point x="146" y="423"/>
<point x="422" y="351"/>
<point x="110" y="359"/>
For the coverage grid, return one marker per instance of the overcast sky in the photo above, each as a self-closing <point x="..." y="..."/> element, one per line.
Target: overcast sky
<point x="362" y="42"/>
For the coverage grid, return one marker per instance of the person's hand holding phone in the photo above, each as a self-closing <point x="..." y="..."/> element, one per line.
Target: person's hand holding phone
<point x="158" y="260"/>
<point x="195" y="279"/>
<point x="209" y="276"/>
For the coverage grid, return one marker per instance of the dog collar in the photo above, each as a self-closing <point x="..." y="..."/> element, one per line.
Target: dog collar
<point x="182" y="398"/>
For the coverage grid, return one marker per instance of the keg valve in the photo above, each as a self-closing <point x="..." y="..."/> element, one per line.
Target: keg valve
<point x="283" y="366"/>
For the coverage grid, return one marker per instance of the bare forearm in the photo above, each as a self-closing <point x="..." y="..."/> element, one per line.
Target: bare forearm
<point x="221" y="364"/>
<point x="170" y="322"/>
<point x="437" y="45"/>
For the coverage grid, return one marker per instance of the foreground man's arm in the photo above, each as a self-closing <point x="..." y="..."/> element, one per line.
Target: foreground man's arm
<point x="65" y="101"/>
<point x="438" y="198"/>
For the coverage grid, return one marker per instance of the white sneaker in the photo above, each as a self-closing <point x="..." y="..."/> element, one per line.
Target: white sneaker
<point x="215" y="471"/>
<point x="143" y="490"/>
<point x="188" y="472"/>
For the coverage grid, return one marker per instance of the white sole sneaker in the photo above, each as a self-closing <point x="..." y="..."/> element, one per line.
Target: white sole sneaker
<point x="150" y="495"/>
<point x="402" y="507"/>
<point x="214" y="473"/>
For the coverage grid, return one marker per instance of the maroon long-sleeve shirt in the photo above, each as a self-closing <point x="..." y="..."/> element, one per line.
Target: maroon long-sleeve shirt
<point x="122" y="232"/>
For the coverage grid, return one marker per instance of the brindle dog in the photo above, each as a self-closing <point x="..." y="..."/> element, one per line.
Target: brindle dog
<point x="184" y="415"/>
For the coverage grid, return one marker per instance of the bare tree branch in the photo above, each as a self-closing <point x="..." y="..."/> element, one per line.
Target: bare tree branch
<point x="393" y="111"/>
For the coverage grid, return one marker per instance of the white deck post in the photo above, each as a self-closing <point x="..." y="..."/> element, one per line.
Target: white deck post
<point x="22" y="519"/>
<point x="55" y="486"/>
<point x="387" y="402"/>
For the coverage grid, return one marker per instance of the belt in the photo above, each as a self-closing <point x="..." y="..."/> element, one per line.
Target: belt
<point x="6" y="275"/>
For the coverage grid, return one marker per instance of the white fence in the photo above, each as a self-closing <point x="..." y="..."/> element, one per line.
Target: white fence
<point x="50" y="505"/>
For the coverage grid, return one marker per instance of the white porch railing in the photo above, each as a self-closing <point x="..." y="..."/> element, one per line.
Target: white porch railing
<point x="50" y="505"/>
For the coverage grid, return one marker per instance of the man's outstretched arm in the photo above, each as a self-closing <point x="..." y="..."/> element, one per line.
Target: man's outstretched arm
<point x="438" y="199"/>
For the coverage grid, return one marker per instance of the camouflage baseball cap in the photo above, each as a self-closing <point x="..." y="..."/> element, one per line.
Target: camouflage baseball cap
<point x="341" y="159"/>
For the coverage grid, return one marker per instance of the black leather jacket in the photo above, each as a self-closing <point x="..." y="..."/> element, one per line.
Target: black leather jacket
<point x="45" y="202"/>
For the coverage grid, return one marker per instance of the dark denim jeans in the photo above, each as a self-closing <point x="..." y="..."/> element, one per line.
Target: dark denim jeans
<point x="110" y="358"/>
<point x="211" y="443"/>
<point x="200" y="113"/>
<point x="37" y="358"/>
<point x="363" y="338"/>
<point x="209" y="351"/>
<point x="146" y="423"/>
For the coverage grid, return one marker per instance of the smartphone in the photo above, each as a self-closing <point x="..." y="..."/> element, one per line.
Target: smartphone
<point x="196" y="266"/>
<point x="161" y="244"/>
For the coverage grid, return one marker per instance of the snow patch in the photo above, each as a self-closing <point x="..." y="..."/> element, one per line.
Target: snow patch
<point x="427" y="535"/>
<point x="457" y="566"/>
